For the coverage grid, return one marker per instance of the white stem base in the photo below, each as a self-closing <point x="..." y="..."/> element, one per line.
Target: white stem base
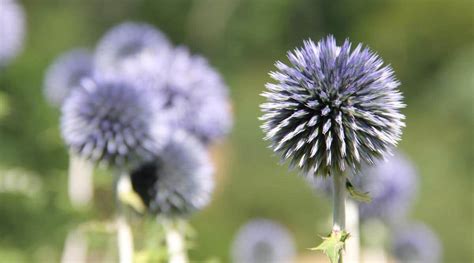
<point x="125" y="240"/>
<point x="353" y="242"/>
<point x="80" y="183"/>
<point x="374" y="255"/>
<point x="75" y="248"/>
<point x="176" y="244"/>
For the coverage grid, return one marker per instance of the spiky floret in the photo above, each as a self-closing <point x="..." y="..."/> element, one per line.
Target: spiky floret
<point x="179" y="181"/>
<point x="66" y="73"/>
<point x="332" y="107"/>
<point x="132" y="48"/>
<point x="197" y="97"/>
<point x="12" y="30"/>
<point x="416" y="243"/>
<point x="263" y="240"/>
<point x="112" y="122"/>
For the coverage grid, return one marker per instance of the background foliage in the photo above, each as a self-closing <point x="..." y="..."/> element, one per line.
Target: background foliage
<point x="429" y="43"/>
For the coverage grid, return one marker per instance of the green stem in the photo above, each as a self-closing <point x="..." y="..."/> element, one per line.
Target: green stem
<point x="339" y="205"/>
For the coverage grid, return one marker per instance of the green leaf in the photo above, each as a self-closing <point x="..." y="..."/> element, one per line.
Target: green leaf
<point x="356" y="194"/>
<point x="333" y="245"/>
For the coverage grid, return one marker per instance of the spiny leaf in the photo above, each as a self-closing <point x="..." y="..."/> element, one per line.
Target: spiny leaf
<point x="333" y="245"/>
<point x="356" y="194"/>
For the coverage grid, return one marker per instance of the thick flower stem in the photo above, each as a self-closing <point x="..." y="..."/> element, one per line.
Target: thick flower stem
<point x="80" y="181"/>
<point x="125" y="240"/>
<point x="175" y="243"/>
<point x="339" y="205"/>
<point x="124" y="232"/>
<point x="75" y="248"/>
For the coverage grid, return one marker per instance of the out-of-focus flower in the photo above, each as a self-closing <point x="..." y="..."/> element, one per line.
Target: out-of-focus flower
<point x="332" y="108"/>
<point x="179" y="181"/>
<point x="18" y="180"/>
<point x="416" y="243"/>
<point x="392" y="185"/>
<point x="12" y="30"/>
<point x="135" y="49"/>
<point x="113" y="122"/>
<point x="197" y="97"/>
<point x="263" y="241"/>
<point x="66" y="73"/>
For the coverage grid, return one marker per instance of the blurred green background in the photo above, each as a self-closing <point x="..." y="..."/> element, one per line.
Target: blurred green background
<point x="430" y="44"/>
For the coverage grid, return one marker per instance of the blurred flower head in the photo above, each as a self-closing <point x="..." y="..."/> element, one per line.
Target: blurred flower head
<point x="132" y="49"/>
<point x="196" y="96"/>
<point x="66" y="73"/>
<point x="179" y="181"/>
<point x="416" y="243"/>
<point x="263" y="241"/>
<point x="333" y="107"/>
<point x="391" y="183"/>
<point x="113" y="122"/>
<point x="12" y="30"/>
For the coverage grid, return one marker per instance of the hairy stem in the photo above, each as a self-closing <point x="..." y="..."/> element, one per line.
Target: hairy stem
<point x="339" y="205"/>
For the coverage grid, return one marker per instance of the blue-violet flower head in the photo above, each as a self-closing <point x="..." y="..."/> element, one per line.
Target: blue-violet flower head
<point x="391" y="184"/>
<point x="132" y="49"/>
<point x="416" y="243"/>
<point x="179" y="181"/>
<point x="66" y="73"/>
<point x="332" y="108"/>
<point x="197" y="99"/>
<point x="12" y="30"/>
<point x="262" y="241"/>
<point x="113" y="122"/>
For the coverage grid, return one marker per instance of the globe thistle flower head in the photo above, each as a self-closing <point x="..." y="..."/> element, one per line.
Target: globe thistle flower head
<point x="112" y="122"/>
<point x="66" y="73"/>
<point x="132" y="49"/>
<point x="391" y="184"/>
<point x="416" y="243"/>
<point x="332" y="107"/>
<point x="12" y="30"/>
<point x="262" y="241"/>
<point x="179" y="181"/>
<point x="197" y="97"/>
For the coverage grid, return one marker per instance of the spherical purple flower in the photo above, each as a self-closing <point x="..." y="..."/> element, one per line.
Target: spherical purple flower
<point x="416" y="243"/>
<point x="333" y="107"/>
<point x="263" y="241"/>
<point x="66" y="73"/>
<point x="391" y="184"/>
<point x="134" y="49"/>
<point x="197" y="97"/>
<point x="112" y="122"/>
<point x="12" y="30"/>
<point x="179" y="181"/>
